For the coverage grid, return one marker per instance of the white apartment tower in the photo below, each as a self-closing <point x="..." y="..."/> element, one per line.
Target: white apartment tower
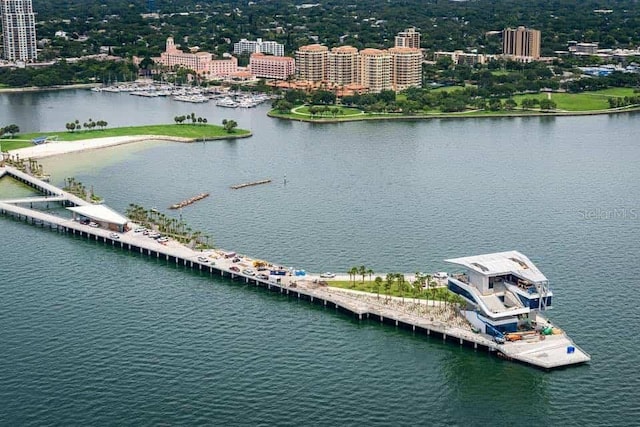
<point x="18" y="30"/>
<point x="245" y="46"/>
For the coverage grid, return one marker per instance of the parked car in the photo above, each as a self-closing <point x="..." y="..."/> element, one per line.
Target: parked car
<point x="441" y="275"/>
<point x="163" y="239"/>
<point x="262" y="276"/>
<point x="139" y="230"/>
<point x="93" y="224"/>
<point x="236" y="259"/>
<point x="114" y="236"/>
<point x="235" y="268"/>
<point x="203" y="259"/>
<point x="327" y="275"/>
<point x="249" y="272"/>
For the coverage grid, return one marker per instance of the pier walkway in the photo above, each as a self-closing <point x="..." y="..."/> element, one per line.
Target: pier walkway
<point x="415" y="317"/>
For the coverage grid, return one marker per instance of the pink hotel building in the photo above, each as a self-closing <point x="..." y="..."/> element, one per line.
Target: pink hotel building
<point x="271" y="67"/>
<point x="200" y="62"/>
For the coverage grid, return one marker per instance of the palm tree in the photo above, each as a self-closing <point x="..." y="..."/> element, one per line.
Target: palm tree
<point x="362" y="271"/>
<point x="377" y="283"/>
<point x="388" y="283"/>
<point x="353" y="272"/>
<point x="401" y="283"/>
<point x="370" y="273"/>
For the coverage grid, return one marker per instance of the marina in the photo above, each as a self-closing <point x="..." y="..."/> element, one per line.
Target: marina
<point x="188" y="94"/>
<point x="543" y="351"/>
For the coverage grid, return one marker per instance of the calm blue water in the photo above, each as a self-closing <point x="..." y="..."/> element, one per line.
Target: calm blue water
<point x="91" y="335"/>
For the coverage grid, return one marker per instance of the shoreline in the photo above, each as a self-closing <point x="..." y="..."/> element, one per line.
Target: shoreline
<point x="470" y="115"/>
<point x="58" y="148"/>
<point x="48" y="88"/>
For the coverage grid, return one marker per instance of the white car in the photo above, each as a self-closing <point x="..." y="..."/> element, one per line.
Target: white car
<point x="327" y="275"/>
<point x="441" y="275"/>
<point x="248" y="272"/>
<point x="114" y="236"/>
<point x="203" y="259"/>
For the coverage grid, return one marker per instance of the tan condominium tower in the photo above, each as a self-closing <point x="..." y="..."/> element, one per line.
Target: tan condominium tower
<point x="408" y="38"/>
<point x="406" y="70"/>
<point x="375" y="70"/>
<point x="521" y="42"/>
<point x="18" y="30"/>
<point x="311" y="63"/>
<point x="343" y="66"/>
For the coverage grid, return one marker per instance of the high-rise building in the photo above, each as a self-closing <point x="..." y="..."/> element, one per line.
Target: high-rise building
<point x="521" y="43"/>
<point x="406" y="68"/>
<point x="18" y="30"/>
<point x="408" y="38"/>
<point x="343" y="66"/>
<point x="245" y="46"/>
<point x="311" y="63"/>
<point x="271" y="67"/>
<point x="375" y="70"/>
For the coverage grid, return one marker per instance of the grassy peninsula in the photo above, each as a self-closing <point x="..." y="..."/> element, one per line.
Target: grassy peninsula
<point x="557" y="104"/>
<point x="193" y="132"/>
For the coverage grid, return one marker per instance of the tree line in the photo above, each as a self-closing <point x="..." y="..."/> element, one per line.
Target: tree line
<point x="89" y="125"/>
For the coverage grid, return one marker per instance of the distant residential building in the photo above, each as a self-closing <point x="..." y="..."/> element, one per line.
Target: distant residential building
<point x="406" y="68"/>
<point x="460" y="57"/>
<point x="18" y="30"/>
<point x="583" y="48"/>
<point x="271" y="67"/>
<point x="245" y="46"/>
<point x="343" y="66"/>
<point x="522" y="44"/>
<point x="311" y="63"/>
<point x="201" y="62"/>
<point x="375" y="70"/>
<point x="408" y="38"/>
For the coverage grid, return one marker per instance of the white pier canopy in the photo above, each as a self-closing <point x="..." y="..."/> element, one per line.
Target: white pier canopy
<point x="101" y="214"/>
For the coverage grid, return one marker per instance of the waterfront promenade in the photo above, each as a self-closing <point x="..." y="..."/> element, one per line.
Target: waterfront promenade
<point x="416" y="317"/>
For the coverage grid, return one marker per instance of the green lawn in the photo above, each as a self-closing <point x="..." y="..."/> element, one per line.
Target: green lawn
<point x="447" y="88"/>
<point x="344" y="111"/>
<point x="368" y="286"/>
<point x="587" y="101"/>
<point x="193" y="131"/>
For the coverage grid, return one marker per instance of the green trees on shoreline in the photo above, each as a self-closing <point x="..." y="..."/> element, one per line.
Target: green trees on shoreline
<point x="90" y="125"/>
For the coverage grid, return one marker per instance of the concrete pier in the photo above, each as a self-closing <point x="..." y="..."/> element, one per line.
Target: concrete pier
<point x="549" y="354"/>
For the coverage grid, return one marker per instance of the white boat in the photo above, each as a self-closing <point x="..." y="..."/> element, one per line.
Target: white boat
<point x="227" y="102"/>
<point x="191" y="98"/>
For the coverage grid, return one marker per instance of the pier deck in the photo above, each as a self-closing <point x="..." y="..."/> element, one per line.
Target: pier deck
<point x="548" y="353"/>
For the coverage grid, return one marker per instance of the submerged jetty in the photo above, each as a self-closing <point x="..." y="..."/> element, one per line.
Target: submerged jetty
<point x="189" y="201"/>
<point x="505" y="292"/>
<point x="250" y="184"/>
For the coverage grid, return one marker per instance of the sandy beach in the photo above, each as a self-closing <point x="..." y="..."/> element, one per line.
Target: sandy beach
<point x="57" y="148"/>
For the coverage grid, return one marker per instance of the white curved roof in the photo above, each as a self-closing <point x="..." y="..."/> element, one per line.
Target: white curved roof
<point x="502" y="263"/>
<point x="100" y="213"/>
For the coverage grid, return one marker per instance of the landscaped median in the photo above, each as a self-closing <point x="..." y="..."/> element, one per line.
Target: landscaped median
<point x="186" y="132"/>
